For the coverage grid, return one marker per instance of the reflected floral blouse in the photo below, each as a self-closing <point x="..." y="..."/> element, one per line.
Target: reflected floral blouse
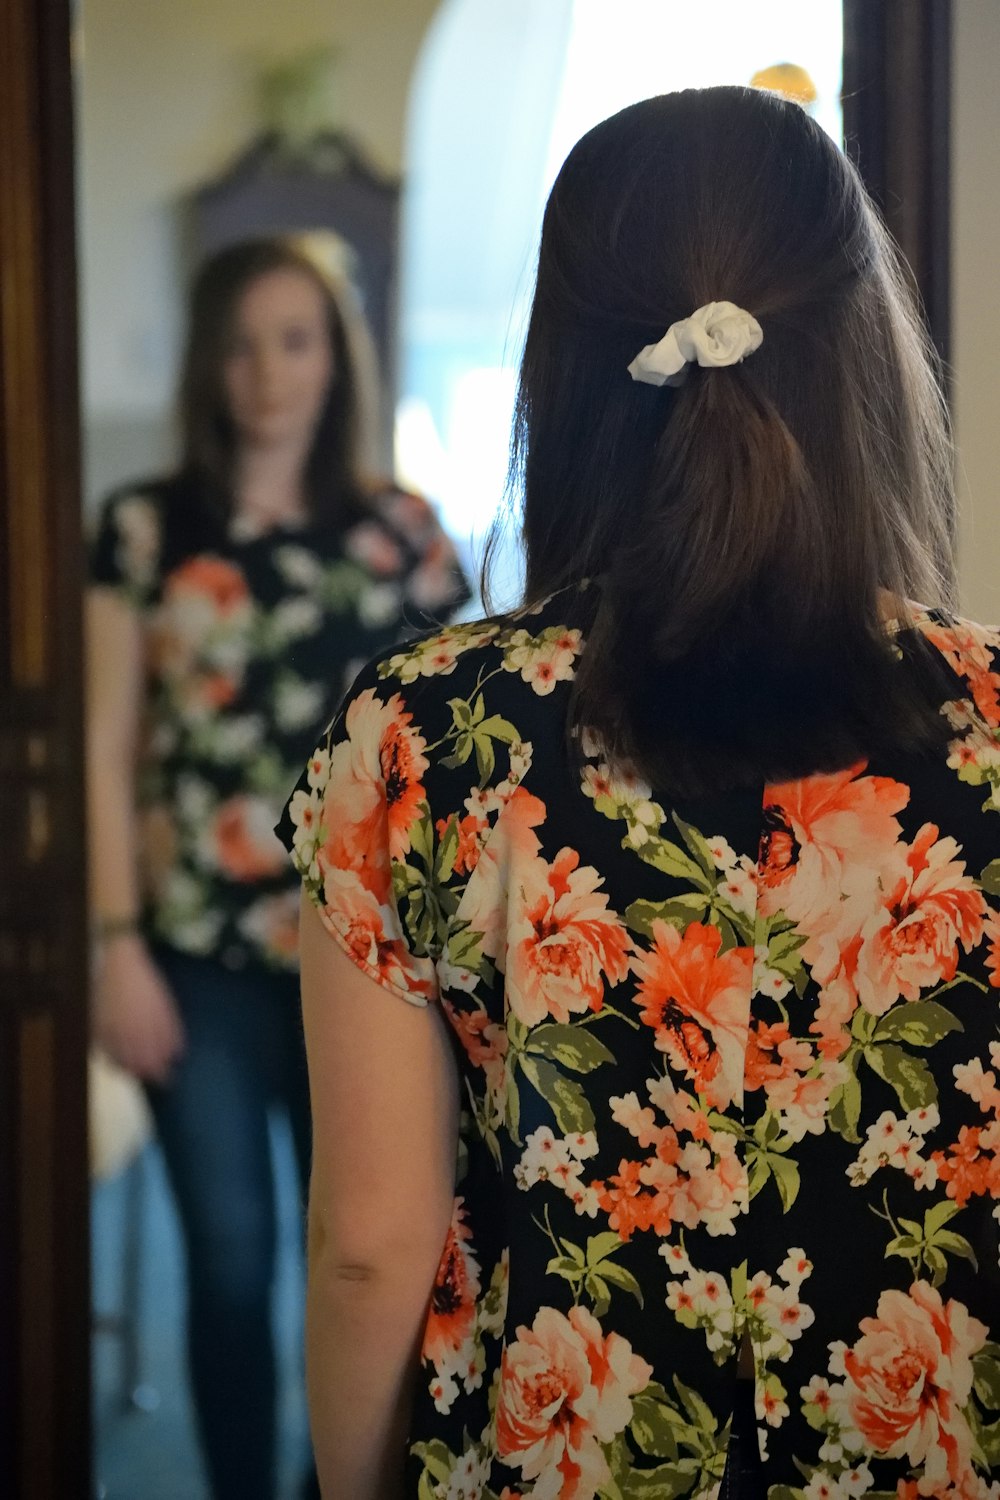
<point x="250" y="641"/>
<point x="731" y="1068"/>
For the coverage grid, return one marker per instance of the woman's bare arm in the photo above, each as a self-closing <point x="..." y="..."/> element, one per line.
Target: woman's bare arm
<point x="135" y="1018"/>
<point x="384" y="1089"/>
<point x="114" y="707"/>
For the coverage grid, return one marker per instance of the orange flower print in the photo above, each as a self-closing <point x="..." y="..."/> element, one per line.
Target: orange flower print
<point x="967" y="649"/>
<point x="913" y="941"/>
<point x="970" y="1167"/>
<point x="375" y="792"/>
<point x="244" y="843"/>
<point x="563" y="944"/>
<point x="453" y="1301"/>
<point x="483" y="1041"/>
<point x="908" y="1378"/>
<point x="470" y="830"/>
<point x="992" y="930"/>
<point x="272" y="923"/>
<point x="212" y="579"/>
<point x="511" y="848"/>
<point x="827" y="840"/>
<point x="372" y="937"/>
<point x="198" y="636"/>
<point x="696" y="999"/>
<point x="564" y="1390"/>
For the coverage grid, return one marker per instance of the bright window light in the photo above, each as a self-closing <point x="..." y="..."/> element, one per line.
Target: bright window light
<point x="502" y="94"/>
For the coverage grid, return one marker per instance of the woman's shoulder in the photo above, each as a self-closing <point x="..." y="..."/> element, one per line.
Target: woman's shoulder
<point x="535" y="647"/>
<point x="972" y="652"/>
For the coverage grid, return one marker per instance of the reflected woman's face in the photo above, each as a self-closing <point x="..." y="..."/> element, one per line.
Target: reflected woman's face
<point x="279" y="364"/>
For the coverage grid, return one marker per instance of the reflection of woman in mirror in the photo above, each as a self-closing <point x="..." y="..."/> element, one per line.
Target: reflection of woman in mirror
<point x="683" y="882"/>
<point x="230" y="602"/>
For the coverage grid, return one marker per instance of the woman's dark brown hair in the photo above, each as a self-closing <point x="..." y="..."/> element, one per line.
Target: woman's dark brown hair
<point x="746" y="528"/>
<point x="335" y="486"/>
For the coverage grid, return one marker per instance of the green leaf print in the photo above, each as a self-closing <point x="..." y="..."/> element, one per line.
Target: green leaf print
<point x="910" y="1079"/>
<point x="564" y="1096"/>
<point x="461" y="713"/>
<point x="922" y="1023"/>
<point x="985" y="1438"/>
<point x="665" y="1482"/>
<point x="574" y="1048"/>
<point x="422" y="837"/>
<point x="592" y="1274"/>
<point x="620" y="1277"/>
<point x="697" y="845"/>
<point x="786" y="1175"/>
<point x="463" y="749"/>
<point x="672" y="860"/>
<point x="845" y="1106"/>
<point x="499" y="729"/>
<point x="472" y="731"/>
<point x="990" y="878"/>
<point x="701" y="1415"/>
<point x="986" y="1375"/>
<point x="763" y="1165"/>
<point x="927" y="1245"/>
<point x="436" y="1458"/>
<point x="444" y="864"/>
<point x="678" y="911"/>
<point x="653" y="1427"/>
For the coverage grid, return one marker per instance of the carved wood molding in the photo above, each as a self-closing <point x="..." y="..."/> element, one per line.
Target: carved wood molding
<point x="44" y="1259"/>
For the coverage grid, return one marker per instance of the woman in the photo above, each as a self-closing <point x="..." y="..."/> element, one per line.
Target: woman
<point x="230" y="604"/>
<point x="694" y="861"/>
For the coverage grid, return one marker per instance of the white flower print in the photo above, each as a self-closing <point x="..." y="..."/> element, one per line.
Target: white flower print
<point x="299" y="567"/>
<point x="468" y="1477"/>
<point x="379" y="604"/>
<point x="297" y="703"/>
<point x="293" y="618"/>
<point x="543" y="660"/>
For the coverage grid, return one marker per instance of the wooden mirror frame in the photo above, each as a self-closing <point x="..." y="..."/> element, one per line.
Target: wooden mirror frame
<point x="44" y="1183"/>
<point x="896" y="116"/>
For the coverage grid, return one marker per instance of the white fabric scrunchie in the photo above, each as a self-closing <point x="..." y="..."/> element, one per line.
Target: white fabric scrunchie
<point x="720" y="333"/>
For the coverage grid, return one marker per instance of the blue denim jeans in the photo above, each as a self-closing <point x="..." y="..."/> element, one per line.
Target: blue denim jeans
<point x="244" y="1054"/>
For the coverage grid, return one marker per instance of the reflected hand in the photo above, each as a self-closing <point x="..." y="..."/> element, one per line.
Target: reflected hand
<point x="135" y="1017"/>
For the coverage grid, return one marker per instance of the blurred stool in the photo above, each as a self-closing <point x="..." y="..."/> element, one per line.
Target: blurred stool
<point x="120" y="1126"/>
<point x="124" y="1322"/>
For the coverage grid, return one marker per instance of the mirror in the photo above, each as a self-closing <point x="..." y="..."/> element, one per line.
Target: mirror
<point x="415" y="143"/>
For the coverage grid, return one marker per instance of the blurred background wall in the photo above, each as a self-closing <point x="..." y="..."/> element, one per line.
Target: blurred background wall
<point x="167" y="98"/>
<point x="976" y="298"/>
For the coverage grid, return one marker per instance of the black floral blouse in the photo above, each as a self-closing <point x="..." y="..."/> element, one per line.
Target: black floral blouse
<point x="250" y="640"/>
<point x="732" y="1068"/>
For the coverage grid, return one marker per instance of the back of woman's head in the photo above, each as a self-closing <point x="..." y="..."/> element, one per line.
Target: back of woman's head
<point x="744" y="525"/>
<point x="209" y="439"/>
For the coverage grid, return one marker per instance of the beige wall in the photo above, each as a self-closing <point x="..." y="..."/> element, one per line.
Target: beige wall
<point x="165" y="100"/>
<point x="976" y="300"/>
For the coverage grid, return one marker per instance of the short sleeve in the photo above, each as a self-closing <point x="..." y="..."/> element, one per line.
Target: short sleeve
<point x="126" y="546"/>
<point x="358" y="828"/>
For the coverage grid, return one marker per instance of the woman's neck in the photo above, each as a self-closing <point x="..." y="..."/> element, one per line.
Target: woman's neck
<point x="270" y="484"/>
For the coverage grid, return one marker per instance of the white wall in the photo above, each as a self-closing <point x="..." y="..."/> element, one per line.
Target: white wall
<point x="165" y="100"/>
<point x="976" y="299"/>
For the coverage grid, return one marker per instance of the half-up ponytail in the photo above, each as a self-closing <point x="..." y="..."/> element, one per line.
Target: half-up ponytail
<point x="746" y="529"/>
